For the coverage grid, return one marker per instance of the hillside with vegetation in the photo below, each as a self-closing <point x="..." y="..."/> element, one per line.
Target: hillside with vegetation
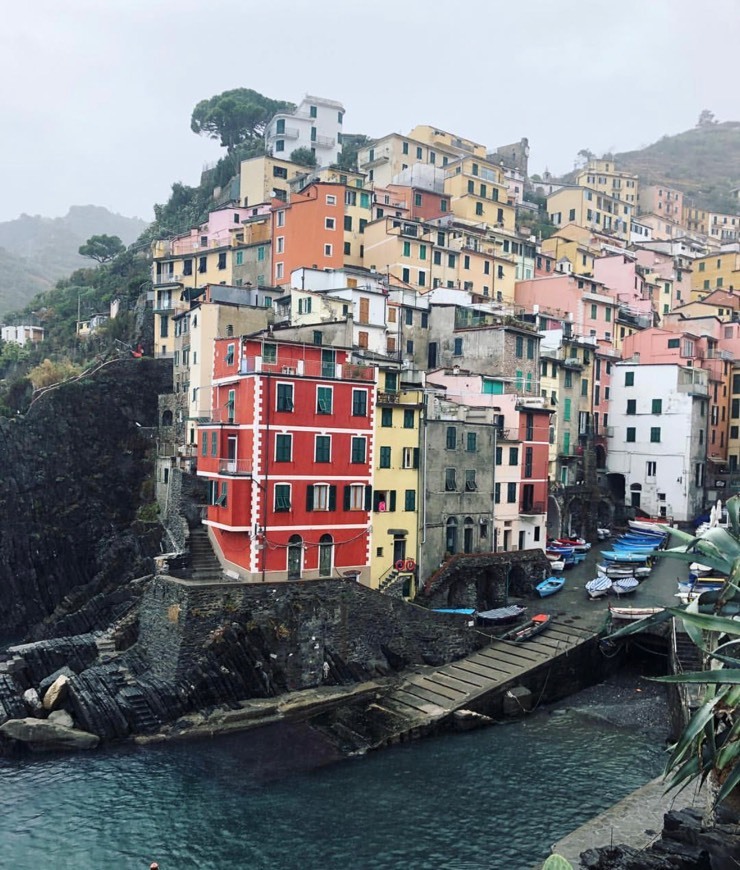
<point x="703" y="163"/>
<point x="37" y="251"/>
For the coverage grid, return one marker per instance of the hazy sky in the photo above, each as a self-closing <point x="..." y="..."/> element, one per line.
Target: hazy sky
<point x="98" y="93"/>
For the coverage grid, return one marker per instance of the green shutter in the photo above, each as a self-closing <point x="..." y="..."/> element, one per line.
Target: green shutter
<point x="332" y="498"/>
<point x="393" y="500"/>
<point x="415" y="463"/>
<point x="347" y="498"/>
<point x="309" y="497"/>
<point x="368" y="497"/>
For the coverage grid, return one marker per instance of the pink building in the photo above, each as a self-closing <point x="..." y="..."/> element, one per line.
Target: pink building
<point x="218" y="232"/>
<point x="575" y="299"/>
<point x="618" y="273"/>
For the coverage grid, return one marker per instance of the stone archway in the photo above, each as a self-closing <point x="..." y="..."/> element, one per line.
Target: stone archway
<point x="518" y="583"/>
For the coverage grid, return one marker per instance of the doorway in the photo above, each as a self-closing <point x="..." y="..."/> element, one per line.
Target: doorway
<point x="468" y="535"/>
<point x="295" y="557"/>
<point x="399" y="549"/>
<point x="326" y="555"/>
<point x="231" y="454"/>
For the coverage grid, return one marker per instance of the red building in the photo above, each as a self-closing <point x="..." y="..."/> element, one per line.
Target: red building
<point x="534" y="434"/>
<point x="288" y="454"/>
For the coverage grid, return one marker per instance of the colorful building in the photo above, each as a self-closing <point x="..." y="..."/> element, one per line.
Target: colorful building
<point x="315" y="125"/>
<point x="288" y="453"/>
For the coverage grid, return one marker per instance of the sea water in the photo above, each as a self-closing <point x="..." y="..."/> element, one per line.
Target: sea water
<point x="273" y="798"/>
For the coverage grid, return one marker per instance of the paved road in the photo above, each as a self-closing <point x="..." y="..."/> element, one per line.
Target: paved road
<point x="572" y="602"/>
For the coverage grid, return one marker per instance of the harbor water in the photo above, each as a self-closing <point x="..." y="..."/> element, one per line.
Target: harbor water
<point x="494" y="798"/>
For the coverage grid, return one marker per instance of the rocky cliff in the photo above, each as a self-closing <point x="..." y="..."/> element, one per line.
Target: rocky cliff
<point x="73" y="473"/>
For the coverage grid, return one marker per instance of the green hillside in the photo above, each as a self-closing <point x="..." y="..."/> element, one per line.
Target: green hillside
<point x="36" y="251"/>
<point x="703" y="163"/>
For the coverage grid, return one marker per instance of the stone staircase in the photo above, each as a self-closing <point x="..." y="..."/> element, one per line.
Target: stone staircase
<point x="392" y="584"/>
<point x="203" y="562"/>
<point x="106" y="647"/>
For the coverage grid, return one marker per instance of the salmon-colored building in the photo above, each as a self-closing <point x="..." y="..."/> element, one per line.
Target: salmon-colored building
<point x="308" y="231"/>
<point x="288" y="453"/>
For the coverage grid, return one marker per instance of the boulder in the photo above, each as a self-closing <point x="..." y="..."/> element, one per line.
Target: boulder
<point x="41" y="735"/>
<point x="48" y="681"/>
<point x="32" y="701"/>
<point x="62" y="717"/>
<point x="56" y="692"/>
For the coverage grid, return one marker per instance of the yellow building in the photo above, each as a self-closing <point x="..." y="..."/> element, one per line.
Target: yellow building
<point x="425" y="256"/>
<point x="714" y="271"/>
<point x="694" y="219"/>
<point x="590" y="209"/>
<point x="572" y="243"/>
<point x="387" y="157"/>
<point x="603" y="176"/>
<point x="262" y="179"/>
<point x="479" y="194"/>
<point x="396" y="485"/>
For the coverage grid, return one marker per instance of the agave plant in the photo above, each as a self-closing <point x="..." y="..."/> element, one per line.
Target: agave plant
<point x="710" y="743"/>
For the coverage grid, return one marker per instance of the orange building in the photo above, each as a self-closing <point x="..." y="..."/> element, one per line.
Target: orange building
<point x="308" y="231"/>
<point x="419" y="203"/>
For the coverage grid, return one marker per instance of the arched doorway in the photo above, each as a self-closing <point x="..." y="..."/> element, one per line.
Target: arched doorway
<point x="295" y="557"/>
<point x="451" y="536"/>
<point x="600" y="456"/>
<point x="553" y="517"/>
<point x="167" y="418"/>
<point x="468" y="527"/>
<point x="326" y="555"/>
<point x="517" y="582"/>
<point x="635" y="493"/>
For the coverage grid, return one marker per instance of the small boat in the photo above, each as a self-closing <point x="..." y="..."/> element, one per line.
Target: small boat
<point x="550" y="586"/>
<point x="598" y="587"/>
<point x="527" y="630"/>
<point x="700" y="570"/>
<point x="557" y="565"/>
<point x="634" y="613"/>
<point x="603" y="534"/>
<point x="642" y="573"/>
<point x="624" y="556"/>
<point x="624" y="585"/>
<point x="652" y="526"/>
<point x="501" y="615"/>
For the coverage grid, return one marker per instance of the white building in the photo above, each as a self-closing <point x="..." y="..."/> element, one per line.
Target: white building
<point x="22" y="334"/>
<point x="316" y="125"/>
<point x="657" y="432"/>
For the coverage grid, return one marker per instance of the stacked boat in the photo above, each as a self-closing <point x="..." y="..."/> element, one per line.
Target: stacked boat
<point x="570" y="551"/>
<point x="628" y="562"/>
<point x="701" y="578"/>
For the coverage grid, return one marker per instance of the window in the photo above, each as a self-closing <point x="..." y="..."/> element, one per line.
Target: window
<point x="357" y="497"/>
<point x="313" y="111"/>
<point x="584" y="387"/>
<point x="222" y="260"/>
<point x="408" y="419"/>
<point x="458" y="347"/>
<point x="450" y="480"/>
<point x="519" y="347"/>
<point x="358" y="450"/>
<point x="330" y="200"/>
<point x="385" y="457"/>
<point x="513" y="456"/>
<point x="202" y="264"/>
<point x="451" y="441"/>
<point x="229" y="355"/>
<point x="328" y="250"/>
<point x="279" y="271"/>
<point x="405" y="147"/>
<point x="657" y="406"/>
<point x="499" y="455"/>
<point x="631" y="434"/>
<point x="285" y="397"/>
<point x="410" y="457"/>
<point x="321" y="497"/>
<point x="230" y="406"/>
<point x="631" y="406"/>
<point x="330" y="223"/>
<point x="530" y="348"/>
<point x="282" y="497"/>
<point x="386" y="417"/>
<point x="566" y="410"/>
<point x="471" y="445"/>
<point x="651" y="469"/>
<point x="470" y="483"/>
<point x="269" y="353"/>
<point x="407" y="249"/>
<point x="568" y="382"/>
<point x="409" y="501"/>
<point x="322" y="450"/>
<point x="479" y="208"/>
<point x="674" y="342"/>
<point x="214" y="443"/>
<point x="655" y="434"/>
<point x="280" y="218"/>
<point x="261" y="253"/>
<point x="359" y="403"/>
<point x="283" y="448"/>
<point x="497" y="493"/>
<point x="629" y="379"/>
<point x="511" y="492"/>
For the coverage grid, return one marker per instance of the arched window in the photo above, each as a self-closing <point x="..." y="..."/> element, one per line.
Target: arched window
<point x="469" y="525"/>
<point x="295" y="557"/>
<point x="451" y="536"/>
<point x="167" y="418"/>
<point x="326" y="555"/>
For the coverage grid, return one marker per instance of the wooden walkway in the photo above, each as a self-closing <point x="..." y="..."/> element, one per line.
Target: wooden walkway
<point x="443" y="690"/>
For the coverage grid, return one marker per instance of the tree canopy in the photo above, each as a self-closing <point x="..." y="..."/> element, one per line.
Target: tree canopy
<point x="235" y="116"/>
<point x="102" y="248"/>
<point x="303" y="157"/>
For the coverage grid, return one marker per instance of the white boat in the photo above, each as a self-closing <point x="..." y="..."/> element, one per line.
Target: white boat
<point x="557" y="565"/>
<point x="699" y="569"/>
<point x="598" y="587"/>
<point x="634" y="613"/>
<point x="645" y="526"/>
<point x="624" y="586"/>
<point x="642" y="573"/>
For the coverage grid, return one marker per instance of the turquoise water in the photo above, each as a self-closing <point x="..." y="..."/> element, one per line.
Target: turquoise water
<point x="495" y="798"/>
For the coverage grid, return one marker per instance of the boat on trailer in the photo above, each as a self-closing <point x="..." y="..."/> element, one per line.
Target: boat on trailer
<point x="631" y="614"/>
<point x="599" y="586"/>
<point x="501" y="615"/>
<point x="527" y="630"/>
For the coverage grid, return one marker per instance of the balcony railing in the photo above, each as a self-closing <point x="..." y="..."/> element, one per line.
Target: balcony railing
<point x="532" y="507"/>
<point x="237" y="467"/>
<point x="168" y="278"/>
<point x="307" y="369"/>
<point x="325" y="141"/>
<point x="389" y="398"/>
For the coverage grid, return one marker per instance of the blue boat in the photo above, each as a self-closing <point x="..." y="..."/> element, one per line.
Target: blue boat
<point x="624" y="556"/>
<point x="550" y="586"/>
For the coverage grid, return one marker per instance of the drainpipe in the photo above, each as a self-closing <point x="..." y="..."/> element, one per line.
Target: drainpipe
<point x="265" y="489"/>
<point x="493" y="491"/>
<point x="423" y="487"/>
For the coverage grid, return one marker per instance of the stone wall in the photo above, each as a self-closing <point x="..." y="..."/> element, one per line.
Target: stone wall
<point x="485" y="580"/>
<point x="294" y="628"/>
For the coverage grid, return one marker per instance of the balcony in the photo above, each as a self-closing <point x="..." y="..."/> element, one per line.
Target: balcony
<point x="287" y="133"/>
<point x="235" y="467"/>
<point x="324" y="141"/>
<point x="169" y="278"/>
<point x="531" y="508"/>
<point x="308" y="369"/>
<point x="389" y="398"/>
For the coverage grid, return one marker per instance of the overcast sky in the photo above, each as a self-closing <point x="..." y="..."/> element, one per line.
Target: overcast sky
<point x="98" y="93"/>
